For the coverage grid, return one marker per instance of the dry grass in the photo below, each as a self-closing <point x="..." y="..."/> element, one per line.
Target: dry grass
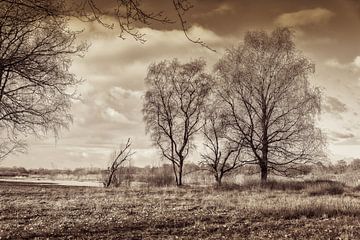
<point x="276" y="211"/>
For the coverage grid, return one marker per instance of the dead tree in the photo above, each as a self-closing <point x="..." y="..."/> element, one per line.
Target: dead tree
<point x="118" y="158"/>
<point x="173" y="106"/>
<point x="270" y="101"/>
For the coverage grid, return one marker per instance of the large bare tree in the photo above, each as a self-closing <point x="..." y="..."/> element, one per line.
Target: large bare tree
<point x="270" y="101"/>
<point x="36" y="87"/>
<point x="174" y="101"/>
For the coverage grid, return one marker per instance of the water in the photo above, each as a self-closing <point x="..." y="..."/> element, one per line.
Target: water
<point x="54" y="182"/>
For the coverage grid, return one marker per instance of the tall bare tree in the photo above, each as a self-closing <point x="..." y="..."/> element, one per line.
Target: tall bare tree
<point x="222" y="155"/>
<point x="270" y="101"/>
<point x="174" y="102"/>
<point x="36" y="87"/>
<point x="118" y="158"/>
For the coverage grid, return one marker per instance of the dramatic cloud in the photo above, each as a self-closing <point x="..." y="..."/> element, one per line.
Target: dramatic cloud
<point x="305" y="17"/>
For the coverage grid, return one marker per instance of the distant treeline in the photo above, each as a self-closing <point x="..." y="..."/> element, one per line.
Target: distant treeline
<point x="163" y="175"/>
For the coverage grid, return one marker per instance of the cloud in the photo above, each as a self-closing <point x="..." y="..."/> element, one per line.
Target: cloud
<point x="114" y="116"/>
<point x="304" y="17"/>
<point x="334" y="105"/>
<point x="342" y="135"/>
<point x="356" y="62"/>
<point x="333" y="62"/>
<point x="353" y="66"/>
<point x="222" y="9"/>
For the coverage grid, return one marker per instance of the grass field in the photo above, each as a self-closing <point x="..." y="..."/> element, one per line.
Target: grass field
<point x="277" y="211"/>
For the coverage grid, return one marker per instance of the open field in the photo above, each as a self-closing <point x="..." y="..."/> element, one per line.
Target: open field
<point x="295" y="211"/>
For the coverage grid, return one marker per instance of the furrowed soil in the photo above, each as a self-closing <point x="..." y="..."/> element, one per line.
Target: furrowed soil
<point x="59" y="212"/>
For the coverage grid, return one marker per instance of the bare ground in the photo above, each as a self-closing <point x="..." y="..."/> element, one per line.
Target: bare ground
<point x="40" y="212"/>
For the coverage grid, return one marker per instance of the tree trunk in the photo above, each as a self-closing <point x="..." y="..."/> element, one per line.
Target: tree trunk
<point x="180" y="172"/>
<point x="264" y="173"/>
<point x="265" y="143"/>
<point x="108" y="182"/>
<point x="264" y="159"/>
<point x="264" y="166"/>
<point x="175" y="173"/>
<point x="180" y="176"/>
<point x="218" y="179"/>
<point x="173" y="163"/>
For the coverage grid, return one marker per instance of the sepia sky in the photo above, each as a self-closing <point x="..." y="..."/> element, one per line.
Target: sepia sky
<point x="327" y="31"/>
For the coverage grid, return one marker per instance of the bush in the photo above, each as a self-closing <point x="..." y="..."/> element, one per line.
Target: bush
<point x="313" y="188"/>
<point x="228" y="186"/>
<point x="160" y="180"/>
<point x="159" y="176"/>
<point x="275" y="185"/>
<point x="326" y="188"/>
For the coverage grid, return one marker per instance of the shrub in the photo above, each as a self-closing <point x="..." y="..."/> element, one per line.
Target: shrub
<point x="275" y="185"/>
<point x="313" y="188"/>
<point x="326" y="188"/>
<point x="158" y="176"/>
<point x="160" y="180"/>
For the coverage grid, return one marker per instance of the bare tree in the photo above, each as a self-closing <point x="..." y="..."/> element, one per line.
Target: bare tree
<point x="118" y="158"/>
<point x="222" y="155"/>
<point x="36" y="87"/>
<point x="127" y="15"/>
<point x="270" y="101"/>
<point x="173" y="107"/>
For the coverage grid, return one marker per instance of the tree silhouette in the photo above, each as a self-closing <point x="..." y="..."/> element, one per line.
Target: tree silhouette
<point x="173" y="106"/>
<point x="270" y="102"/>
<point x="35" y="82"/>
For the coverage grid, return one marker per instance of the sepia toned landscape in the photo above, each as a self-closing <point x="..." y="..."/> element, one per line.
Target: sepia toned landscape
<point x="179" y="119"/>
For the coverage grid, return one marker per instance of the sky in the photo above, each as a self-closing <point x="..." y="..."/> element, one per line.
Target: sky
<point x="109" y="109"/>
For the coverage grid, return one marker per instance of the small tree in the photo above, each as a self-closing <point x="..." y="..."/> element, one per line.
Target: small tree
<point x="270" y="102"/>
<point x="174" y="102"/>
<point x="117" y="159"/>
<point x="222" y="154"/>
